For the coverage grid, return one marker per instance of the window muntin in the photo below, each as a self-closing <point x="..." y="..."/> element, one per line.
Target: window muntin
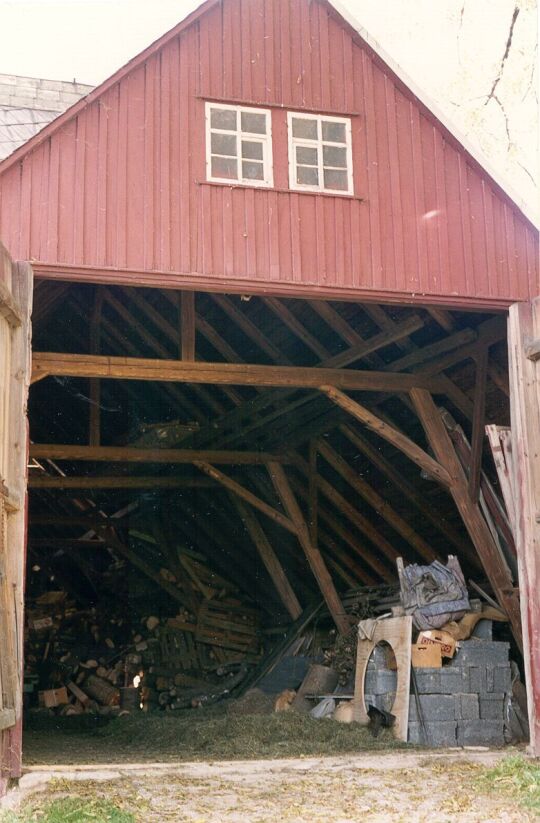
<point x="320" y="157"/>
<point x="238" y="145"/>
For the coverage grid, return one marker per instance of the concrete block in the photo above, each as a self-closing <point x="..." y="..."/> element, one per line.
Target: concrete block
<point x="492" y="707"/>
<point x="454" y="680"/>
<point x="428" y="681"/>
<point x="477" y="679"/>
<point x="381" y="681"/>
<point x="502" y="679"/>
<point x="481" y="652"/>
<point x="435" y="707"/>
<point x="466" y="707"/>
<point x="480" y="733"/>
<point x="438" y="734"/>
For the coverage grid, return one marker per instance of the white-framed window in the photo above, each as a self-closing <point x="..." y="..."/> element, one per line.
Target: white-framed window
<point x="238" y="145"/>
<point x="320" y="155"/>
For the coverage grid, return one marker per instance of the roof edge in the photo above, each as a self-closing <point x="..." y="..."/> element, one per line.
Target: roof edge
<point x="437" y="112"/>
<point x="338" y="7"/>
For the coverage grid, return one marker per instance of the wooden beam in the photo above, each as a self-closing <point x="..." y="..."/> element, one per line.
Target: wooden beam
<point x="409" y="491"/>
<point x="500" y="440"/>
<point x="269" y="558"/>
<point x="136" y="368"/>
<point x="492" y="560"/>
<point x="523" y="327"/>
<point x="313" y="555"/>
<point x="187" y="325"/>
<point x="246" y="495"/>
<point x="122" y="482"/>
<point x="249" y="328"/>
<point x="313" y="493"/>
<point x="479" y="415"/>
<point x="388" y="433"/>
<point x="129" y="454"/>
<point x="377" y="502"/>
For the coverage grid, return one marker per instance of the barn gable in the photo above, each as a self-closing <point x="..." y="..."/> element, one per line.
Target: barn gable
<point x="117" y="187"/>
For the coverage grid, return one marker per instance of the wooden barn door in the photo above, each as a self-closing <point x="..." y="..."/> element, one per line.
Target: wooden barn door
<point x="15" y="305"/>
<point x="524" y="355"/>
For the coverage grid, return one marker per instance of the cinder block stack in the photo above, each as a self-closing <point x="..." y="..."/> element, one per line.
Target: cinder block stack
<point x="463" y="703"/>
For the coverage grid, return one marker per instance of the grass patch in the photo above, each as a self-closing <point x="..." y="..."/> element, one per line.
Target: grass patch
<point x="199" y="735"/>
<point x="70" y="810"/>
<point x="516" y="777"/>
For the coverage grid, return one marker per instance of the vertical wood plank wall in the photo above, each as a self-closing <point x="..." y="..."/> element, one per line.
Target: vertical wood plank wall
<point x="121" y="184"/>
<point x="14" y="380"/>
<point x="523" y="328"/>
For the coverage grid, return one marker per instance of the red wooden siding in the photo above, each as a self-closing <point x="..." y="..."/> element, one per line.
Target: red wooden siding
<point x="121" y="184"/>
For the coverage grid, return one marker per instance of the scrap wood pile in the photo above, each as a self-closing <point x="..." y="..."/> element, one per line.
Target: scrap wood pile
<point x="87" y="660"/>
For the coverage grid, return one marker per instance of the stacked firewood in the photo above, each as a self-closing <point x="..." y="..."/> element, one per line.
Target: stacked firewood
<point x="92" y="660"/>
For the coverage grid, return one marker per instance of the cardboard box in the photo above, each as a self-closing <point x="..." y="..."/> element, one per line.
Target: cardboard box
<point x="426" y="657"/>
<point x="53" y="697"/>
<point x="440" y="638"/>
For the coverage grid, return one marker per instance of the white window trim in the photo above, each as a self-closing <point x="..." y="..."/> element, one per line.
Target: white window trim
<point x="265" y="140"/>
<point x="298" y="141"/>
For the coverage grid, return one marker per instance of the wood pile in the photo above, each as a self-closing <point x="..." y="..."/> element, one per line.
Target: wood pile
<point x="88" y="660"/>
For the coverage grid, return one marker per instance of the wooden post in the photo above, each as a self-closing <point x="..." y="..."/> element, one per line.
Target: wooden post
<point x="492" y="560"/>
<point x="313" y="555"/>
<point x="187" y="325"/>
<point x="269" y="558"/>
<point x="479" y="414"/>
<point x="523" y="338"/>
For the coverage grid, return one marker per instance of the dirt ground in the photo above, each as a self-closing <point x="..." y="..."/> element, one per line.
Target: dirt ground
<point x="379" y="788"/>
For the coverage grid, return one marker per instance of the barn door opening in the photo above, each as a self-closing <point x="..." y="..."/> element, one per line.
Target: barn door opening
<point x="15" y="306"/>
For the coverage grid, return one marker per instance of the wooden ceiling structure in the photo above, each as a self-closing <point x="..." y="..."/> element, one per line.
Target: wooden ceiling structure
<point x="300" y="445"/>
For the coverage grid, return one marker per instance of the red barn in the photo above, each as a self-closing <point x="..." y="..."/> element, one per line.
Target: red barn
<point x="265" y="149"/>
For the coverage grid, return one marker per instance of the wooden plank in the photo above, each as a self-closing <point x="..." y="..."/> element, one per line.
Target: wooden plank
<point x="397" y="632"/>
<point x="479" y="415"/>
<point x="409" y="491"/>
<point x="136" y="368"/>
<point x="388" y="433"/>
<point x="123" y="482"/>
<point x="313" y="555"/>
<point x="378" y="502"/>
<point x="129" y="454"/>
<point x="524" y="326"/>
<point x="269" y="558"/>
<point x="187" y="325"/>
<point x="492" y="560"/>
<point x="246" y="495"/>
<point x="500" y="440"/>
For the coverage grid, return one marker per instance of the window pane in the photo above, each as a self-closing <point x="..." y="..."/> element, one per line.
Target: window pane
<point x="335" y="132"/>
<point x="307" y="175"/>
<point x="252" y="171"/>
<point x="306" y="156"/>
<point x="223" y="119"/>
<point x="223" y="144"/>
<point x="304" y="127"/>
<point x="224" y="167"/>
<point x="335" y="156"/>
<point x="335" y="180"/>
<point x="253" y="122"/>
<point x="252" y="151"/>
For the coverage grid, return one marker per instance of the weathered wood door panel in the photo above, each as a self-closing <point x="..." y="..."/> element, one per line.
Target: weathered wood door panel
<point x="524" y="355"/>
<point x="15" y="305"/>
